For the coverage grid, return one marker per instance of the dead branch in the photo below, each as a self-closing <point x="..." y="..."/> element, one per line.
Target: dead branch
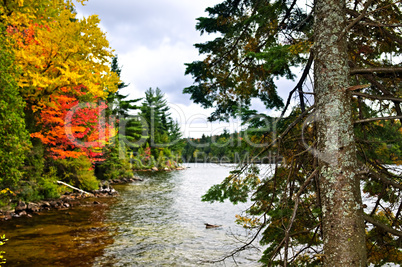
<point x="379" y="119"/>
<point x="378" y="97"/>
<point x="75" y="188"/>
<point x="378" y="70"/>
<point x="384" y="227"/>
<point x="296" y="199"/>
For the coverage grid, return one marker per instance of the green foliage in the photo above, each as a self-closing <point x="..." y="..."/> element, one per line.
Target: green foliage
<point x="116" y="164"/>
<point x="260" y="41"/>
<point x="14" y="139"/>
<point x="77" y="172"/>
<point x="131" y="129"/>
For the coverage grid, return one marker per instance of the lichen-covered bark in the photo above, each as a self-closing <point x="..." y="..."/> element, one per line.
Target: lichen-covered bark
<point x="343" y="225"/>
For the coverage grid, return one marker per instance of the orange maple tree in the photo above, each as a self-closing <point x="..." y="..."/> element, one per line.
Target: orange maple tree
<point x="70" y="128"/>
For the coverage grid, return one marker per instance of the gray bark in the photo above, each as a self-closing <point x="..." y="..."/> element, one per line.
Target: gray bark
<point x="343" y="223"/>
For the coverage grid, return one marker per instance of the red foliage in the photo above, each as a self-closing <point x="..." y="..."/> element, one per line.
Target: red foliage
<point x="71" y="129"/>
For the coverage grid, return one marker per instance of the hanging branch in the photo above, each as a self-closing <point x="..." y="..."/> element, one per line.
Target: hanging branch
<point x="299" y="86"/>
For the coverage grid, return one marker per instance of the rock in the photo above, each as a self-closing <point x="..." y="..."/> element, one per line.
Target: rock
<point x="154" y="169"/>
<point x="33" y="207"/>
<point x="66" y="205"/>
<point x="20" y="207"/>
<point x="22" y="213"/>
<point x="6" y="216"/>
<point x="207" y="225"/>
<point x="96" y="202"/>
<point x="46" y="205"/>
<point x="137" y="179"/>
<point x="166" y="169"/>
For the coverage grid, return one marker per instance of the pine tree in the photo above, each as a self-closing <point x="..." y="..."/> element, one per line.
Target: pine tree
<point x="312" y="201"/>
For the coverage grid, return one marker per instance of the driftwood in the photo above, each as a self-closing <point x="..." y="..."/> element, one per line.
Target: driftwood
<point x="75" y="188"/>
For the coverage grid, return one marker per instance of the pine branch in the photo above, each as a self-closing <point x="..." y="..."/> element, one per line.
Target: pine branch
<point x="356" y="20"/>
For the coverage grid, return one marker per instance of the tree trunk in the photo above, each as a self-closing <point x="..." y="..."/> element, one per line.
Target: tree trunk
<point x="343" y="224"/>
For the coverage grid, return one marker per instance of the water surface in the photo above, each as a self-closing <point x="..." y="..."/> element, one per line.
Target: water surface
<point x="157" y="222"/>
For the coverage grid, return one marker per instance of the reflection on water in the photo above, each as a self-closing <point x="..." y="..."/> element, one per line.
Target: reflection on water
<point x="73" y="237"/>
<point x="157" y="222"/>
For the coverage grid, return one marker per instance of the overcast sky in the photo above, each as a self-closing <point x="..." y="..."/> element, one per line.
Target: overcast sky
<point x="153" y="39"/>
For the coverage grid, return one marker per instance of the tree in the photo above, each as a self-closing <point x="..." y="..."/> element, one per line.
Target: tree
<point x="342" y="208"/>
<point x="14" y="138"/>
<point x="155" y="111"/>
<point x="70" y="129"/>
<point x="131" y="128"/>
<point x="63" y="62"/>
<point x="312" y="201"/>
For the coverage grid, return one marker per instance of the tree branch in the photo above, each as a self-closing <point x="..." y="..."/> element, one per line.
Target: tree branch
<point x="372" y="70"/>
<point x="356" y="20"/>
<point x="378" y="97"/>
<point x="299" y="86"/>
<point x="379" y="119"/>
<point x="296" y="200"/>
<point x="75" y="188"/>
<point x="384" y="227"/>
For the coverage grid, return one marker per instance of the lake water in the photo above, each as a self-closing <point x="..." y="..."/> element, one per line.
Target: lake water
<point x="157" y="222"/>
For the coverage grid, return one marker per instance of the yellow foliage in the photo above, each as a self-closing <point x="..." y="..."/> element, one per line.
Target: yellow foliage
<point x="247" y="222"/>
<point x="56" y="52"/>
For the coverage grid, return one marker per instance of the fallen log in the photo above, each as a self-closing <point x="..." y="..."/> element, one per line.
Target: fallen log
<point x="74" y="188"/>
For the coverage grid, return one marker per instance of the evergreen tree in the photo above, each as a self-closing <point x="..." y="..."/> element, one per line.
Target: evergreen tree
<point x="155" y="111"/>
<point x="312" y="201"/>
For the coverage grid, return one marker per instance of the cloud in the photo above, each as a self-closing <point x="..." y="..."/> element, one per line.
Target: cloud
<point x="153" y="39"/>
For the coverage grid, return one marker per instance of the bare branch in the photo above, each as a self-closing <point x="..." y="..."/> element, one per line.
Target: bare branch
<point x="379" y="119"/>
<point x="378" y="97"/>
<point x="372" y="70"/>
<point x="382" y="25"/>
<point x="296" y="199"/>
<point x="284" y="133"/>
<point x="357" y="87"/>
<point x="384" y="227"/>
<point x="356" y="20"/>
<point x="299" y="85"/>
<point x="385" y="180"/>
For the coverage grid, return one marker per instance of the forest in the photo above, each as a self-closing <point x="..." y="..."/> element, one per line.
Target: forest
<point x="62" y="116"/>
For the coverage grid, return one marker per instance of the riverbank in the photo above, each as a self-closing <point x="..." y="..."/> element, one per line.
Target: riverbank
<point x="66" y="201"/>
<point x="70" y="199"/>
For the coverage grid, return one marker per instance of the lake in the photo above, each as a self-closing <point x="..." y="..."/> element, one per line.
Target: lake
<point x="157" y="222"/>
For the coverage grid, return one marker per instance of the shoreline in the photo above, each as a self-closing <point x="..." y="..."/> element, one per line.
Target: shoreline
<point x="71" y="199"/>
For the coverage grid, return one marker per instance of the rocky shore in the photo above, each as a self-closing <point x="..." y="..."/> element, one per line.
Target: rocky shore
<point x="70" y="199"/>
<point x="66" y="201"/>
